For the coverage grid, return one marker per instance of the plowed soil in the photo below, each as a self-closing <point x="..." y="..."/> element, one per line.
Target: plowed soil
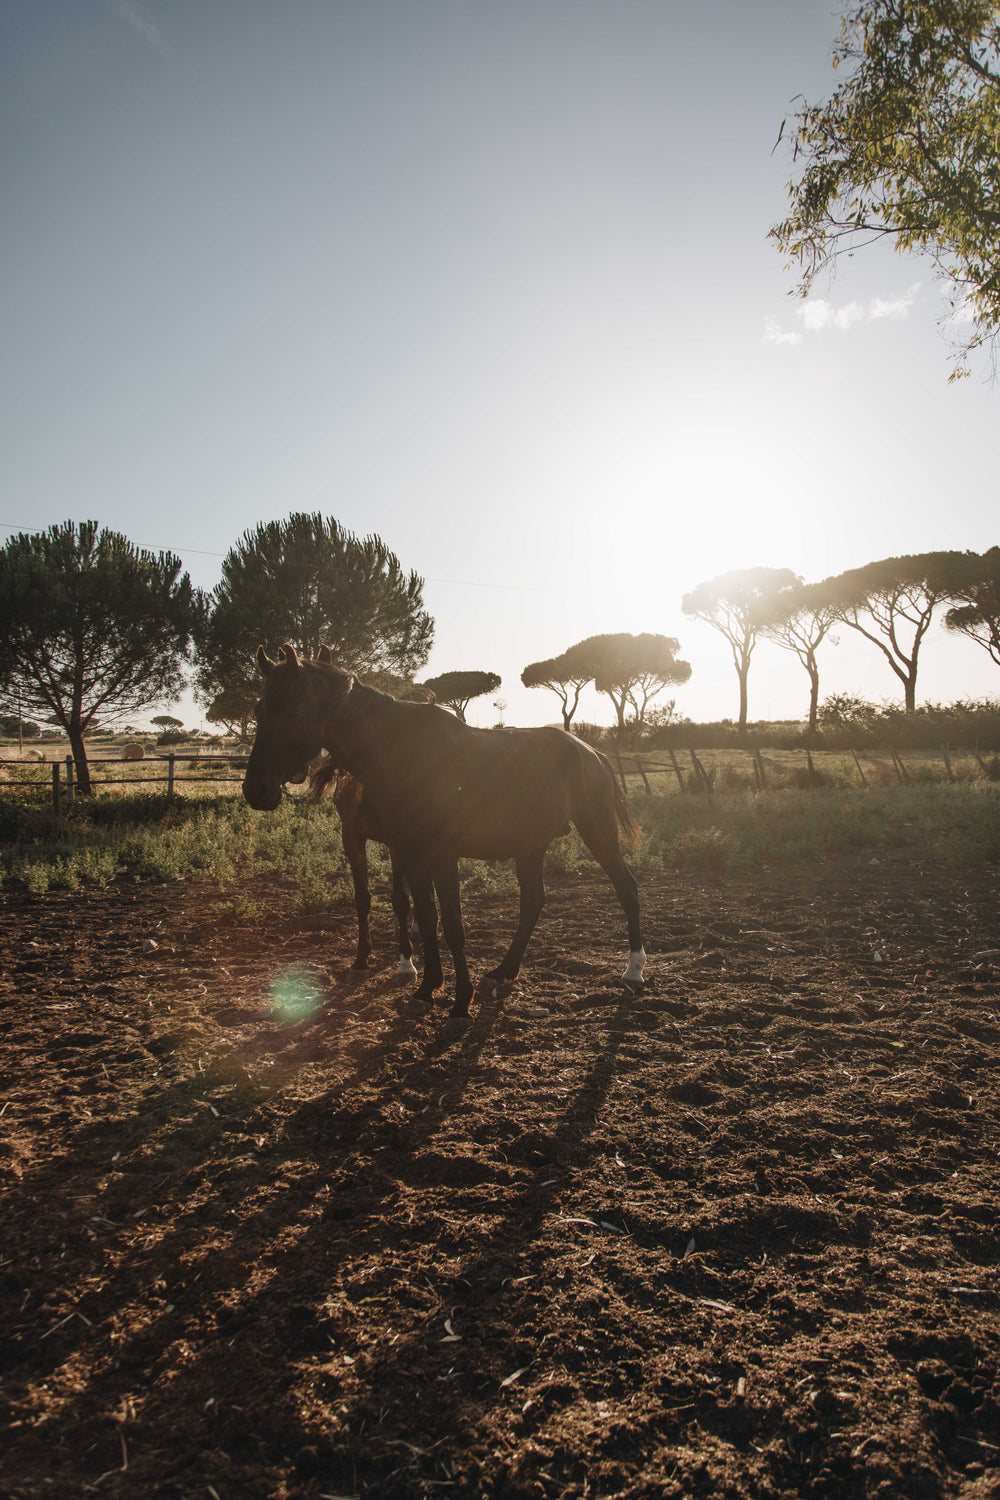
<point x="263" y="1235"/>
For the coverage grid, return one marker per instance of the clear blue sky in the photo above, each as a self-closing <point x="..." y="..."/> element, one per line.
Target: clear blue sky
<point x="488" y="277"/>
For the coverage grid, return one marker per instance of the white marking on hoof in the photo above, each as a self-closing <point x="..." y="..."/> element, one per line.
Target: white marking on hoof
<point x="406" y="969"/>
<point x="636" y="964"/>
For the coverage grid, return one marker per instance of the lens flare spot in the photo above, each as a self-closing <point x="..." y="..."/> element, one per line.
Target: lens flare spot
<point x="295" y="996"/>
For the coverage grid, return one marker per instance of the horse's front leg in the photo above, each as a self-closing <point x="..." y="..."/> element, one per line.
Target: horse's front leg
<point x="356" y="849"/>
<point x="532" y="887"/>
<point x="450" y="900"/>
<point x="422" y="891"/>
<point x="401" y="907"/>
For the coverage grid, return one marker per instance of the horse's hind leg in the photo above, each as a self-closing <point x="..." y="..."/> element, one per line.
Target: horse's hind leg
<point x="603" y="845"/>
<point x="530" y="879"/>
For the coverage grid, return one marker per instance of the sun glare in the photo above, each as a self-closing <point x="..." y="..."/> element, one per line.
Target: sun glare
<point x="295" y="996"/>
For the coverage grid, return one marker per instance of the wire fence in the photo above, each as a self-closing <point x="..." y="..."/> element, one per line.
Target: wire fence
<point x="649" y="773"/>
<point x="64" y="780"/>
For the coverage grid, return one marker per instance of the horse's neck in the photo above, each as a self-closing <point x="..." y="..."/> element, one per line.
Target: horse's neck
<point x="371" y="729"/>
<point x="367" y="720"/>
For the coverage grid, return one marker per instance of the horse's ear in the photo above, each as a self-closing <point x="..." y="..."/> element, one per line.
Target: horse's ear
<point x="290" y="655"/>
<point x="264" y="662"/>
<point x="325" y="655"/>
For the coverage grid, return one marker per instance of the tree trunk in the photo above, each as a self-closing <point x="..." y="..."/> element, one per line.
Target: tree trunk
<point x="910" y="692"/>
<point x="813" y="671"/>
<point x="744" y="673"/>
<point x="568" y="712"/>
<point x="80" y="765"/>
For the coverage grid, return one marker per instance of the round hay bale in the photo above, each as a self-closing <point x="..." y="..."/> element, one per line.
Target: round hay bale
<point x="33" y="755"/>
<point x="133" y="752"/>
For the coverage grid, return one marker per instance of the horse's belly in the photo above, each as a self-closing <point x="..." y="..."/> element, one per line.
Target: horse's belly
<point x="508" y="841"/>
<point x="477" y="824"/>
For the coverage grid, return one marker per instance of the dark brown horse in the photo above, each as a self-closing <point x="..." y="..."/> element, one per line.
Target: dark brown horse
<point x="439" y="791"/>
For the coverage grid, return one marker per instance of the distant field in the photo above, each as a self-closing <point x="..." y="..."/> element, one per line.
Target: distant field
<point x="107" y="749"/>
<point x="194" y="763"/>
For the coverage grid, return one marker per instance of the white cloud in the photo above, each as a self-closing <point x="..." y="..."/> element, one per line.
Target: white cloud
<point x="893" y="307"/>
<point x="816" y="315"/>
<point x="819" y="314"/>
<point x="774" y="335"/>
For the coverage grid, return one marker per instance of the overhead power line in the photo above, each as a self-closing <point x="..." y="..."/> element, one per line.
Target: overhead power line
<point x="467" y="583"/>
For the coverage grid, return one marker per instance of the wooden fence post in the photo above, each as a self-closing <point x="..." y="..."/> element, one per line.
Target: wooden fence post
<point x="812" y="768"/>
<point x="642" y="772"/>
<point x="699" y="778"/>
<point x="756" y="772"/>
<point x="901" y="772"/>
<point x="677" y="769"/>
<point x="758" y="765"/>
<point x="170" y="774"/>
<point x="55" y="787"/>
<point x="69" y="778"/>
<point x="947" y="762"/>
<point x="699" y="771"/>
<point x="864" y="779"/>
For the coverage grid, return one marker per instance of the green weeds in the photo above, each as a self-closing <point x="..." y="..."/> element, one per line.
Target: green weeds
<point x="220" y="840"/>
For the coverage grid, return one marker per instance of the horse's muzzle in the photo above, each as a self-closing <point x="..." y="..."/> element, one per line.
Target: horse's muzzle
<point x="264" y="796"/>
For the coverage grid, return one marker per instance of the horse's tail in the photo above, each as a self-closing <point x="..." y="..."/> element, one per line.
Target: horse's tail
<point x="631" y="833"/>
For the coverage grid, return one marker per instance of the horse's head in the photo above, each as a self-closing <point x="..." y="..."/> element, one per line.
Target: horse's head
<point x="298" y="700"/>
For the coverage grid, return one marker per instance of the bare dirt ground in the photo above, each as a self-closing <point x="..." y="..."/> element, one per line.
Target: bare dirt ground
<point x="736" y="1236"/>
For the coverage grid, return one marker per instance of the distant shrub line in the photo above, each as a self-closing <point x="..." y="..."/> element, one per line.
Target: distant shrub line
<point x="846" y="722"/>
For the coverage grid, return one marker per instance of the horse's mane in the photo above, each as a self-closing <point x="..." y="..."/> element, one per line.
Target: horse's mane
<point x="346" y="790"/>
